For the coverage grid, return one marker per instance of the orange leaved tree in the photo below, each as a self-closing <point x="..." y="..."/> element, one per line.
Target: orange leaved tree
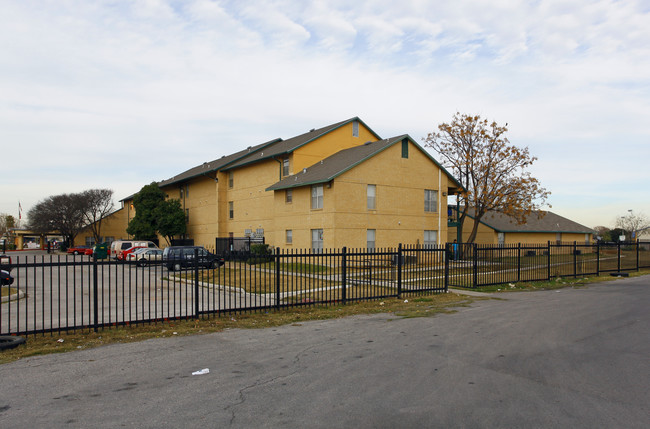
<point x="492" y="171"/>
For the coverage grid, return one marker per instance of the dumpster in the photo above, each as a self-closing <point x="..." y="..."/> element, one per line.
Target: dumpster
<point x="100" y="251"/>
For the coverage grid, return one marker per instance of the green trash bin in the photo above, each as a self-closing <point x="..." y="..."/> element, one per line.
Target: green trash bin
<point x="100" y="251"/>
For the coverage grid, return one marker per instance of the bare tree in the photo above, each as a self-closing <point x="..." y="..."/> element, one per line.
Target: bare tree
<point x="633" y="224"/>
<point x="98" y="204"/>
<point x="491" y="171"/>
<point x="59" y="213"/>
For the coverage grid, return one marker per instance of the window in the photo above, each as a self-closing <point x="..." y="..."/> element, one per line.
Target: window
<point x="371" y="194"/>
<point x="288" y="196"/>
<point x="289" y="235"/>
<point x="405" y="148"/>
<point x="370" y="239"/>
<point x="430" y="239"/>
<point x="187" y="190"/>
<point x="285" y="167"/>
<point x="317" y="197"/>
<point x="430" y="201"/>
<point x="231" y="179"/>
<point x="187" y="215"/>
<point x="317" y="240"/>
<point x="231" y="210"/>
<point x="355" y="129"/>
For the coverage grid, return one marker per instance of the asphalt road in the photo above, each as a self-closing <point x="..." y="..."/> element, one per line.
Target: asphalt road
<point x="574" y="358"/>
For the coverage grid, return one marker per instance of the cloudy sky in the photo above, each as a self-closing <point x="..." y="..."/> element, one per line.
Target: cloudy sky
<point x="116" y="94"/>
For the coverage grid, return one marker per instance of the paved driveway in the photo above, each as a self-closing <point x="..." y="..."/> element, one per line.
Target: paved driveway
<point x="566" y="358"/>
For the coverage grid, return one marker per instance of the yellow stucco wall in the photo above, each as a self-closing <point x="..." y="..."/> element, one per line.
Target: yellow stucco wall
<point x="399" y="216"/>
<point x="487" y="235"/>
<point x="113" y="227"/>
<point x="328" y="145"/>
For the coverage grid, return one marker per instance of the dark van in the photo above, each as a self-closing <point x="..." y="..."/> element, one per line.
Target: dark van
<point x="180" y="257"/>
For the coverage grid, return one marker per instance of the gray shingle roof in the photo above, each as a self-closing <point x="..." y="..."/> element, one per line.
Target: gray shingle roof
<point x="287" y="146"/>
<point x="342" y="161"/>
<point x="550" y="222"/>
<point x="217" y="164"/>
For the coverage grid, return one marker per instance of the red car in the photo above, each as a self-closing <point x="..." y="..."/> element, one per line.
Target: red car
<point x="124" y="254"/>
<point x="81" y="250"/>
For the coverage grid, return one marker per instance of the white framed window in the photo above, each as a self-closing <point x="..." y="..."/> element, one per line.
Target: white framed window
<point x="231" y="210"/>
<point x="317" y="197"/>
<point x="317" y="240"/>
<point x="371" y="196"/>
<point x="288" y="196"/>
<point x="355" y="129"/>
<point x="370" y="239"/>
<point x="187" y="215"/>
<point x="289" y="236"/>
<point x="430" y="238"/>
<point x="430" y="201"/>
<point x="231" y="179"/>
<point x="285" y="167"/>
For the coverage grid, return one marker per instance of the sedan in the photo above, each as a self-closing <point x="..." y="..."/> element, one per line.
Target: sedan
<point x="80" y="250"/>
<point x="146" y="256"/>
<point x="6" y="279"/>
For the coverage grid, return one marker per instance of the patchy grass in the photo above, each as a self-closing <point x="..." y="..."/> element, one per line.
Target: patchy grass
<point x="557" y="283"/>
<point x="409" y="306"/>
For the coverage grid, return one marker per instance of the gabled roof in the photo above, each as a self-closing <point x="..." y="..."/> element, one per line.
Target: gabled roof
<point x="284" y="147"/>
<point x="550" y="222"/>
<point x="217" y="164"/>
<point x="342" y="161"/>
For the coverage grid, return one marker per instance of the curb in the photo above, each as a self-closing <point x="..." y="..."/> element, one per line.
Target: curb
<point x="13" y="297"/>
<point x="468" y="292"/>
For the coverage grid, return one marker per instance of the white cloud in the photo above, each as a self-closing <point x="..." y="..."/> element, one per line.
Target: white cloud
<point x="87" y="85"/>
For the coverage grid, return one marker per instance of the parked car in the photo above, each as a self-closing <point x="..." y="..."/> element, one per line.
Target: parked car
<point x="124" y="255"/>
<point x="179" y="257"/>
<point x="119" y="246"/>
<point x="144" y="256"/>
<point x="6" y="279"/>
<point x="80" y="250"/>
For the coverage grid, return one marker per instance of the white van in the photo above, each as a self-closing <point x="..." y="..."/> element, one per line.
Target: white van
<point x="118" y="246"/>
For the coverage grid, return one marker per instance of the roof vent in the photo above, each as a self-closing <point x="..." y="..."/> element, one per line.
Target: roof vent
<point x="304" y="170"/>
<point x="312" y="130"/>
<point x="367" y="143"/>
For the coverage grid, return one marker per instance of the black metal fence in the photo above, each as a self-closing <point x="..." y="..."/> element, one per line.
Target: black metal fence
<point x="475" y="265"/>
<point x="63" y="293"/>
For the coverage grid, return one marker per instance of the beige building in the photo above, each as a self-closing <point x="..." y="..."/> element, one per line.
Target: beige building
<point x="340" y="185"/>
<point x="497" y="228"/>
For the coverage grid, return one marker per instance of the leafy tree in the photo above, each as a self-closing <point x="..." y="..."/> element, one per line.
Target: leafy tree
<point x="156" y="215"/>
<point x="171" y="219"/>
<point x="491" y="171"/>
<point x="632" y="225"/>
<point x="63" y="213"/>
<point x="98" y="204"/>
<point x="7" y="222"/>
<point x="604" y="233"/>
<point x="615" y="235"/>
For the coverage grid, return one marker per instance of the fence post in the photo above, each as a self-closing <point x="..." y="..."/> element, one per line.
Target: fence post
<point x="277" y="277"/>
<point x="548" y="260"/>
<point x="399" y="271"/>
<point x="575" y="259"/>
<point x="618" y="258"/>
<point x="475" y="277"/>
<point x="95" y="295"/>
<point x="446" y="256"/>
<point x="598" y="257"/>
<point x="519" y="261"/>
<point x="637" y="254"/>
<point x="196" y="283"/>
<point x="344" y="275"/>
